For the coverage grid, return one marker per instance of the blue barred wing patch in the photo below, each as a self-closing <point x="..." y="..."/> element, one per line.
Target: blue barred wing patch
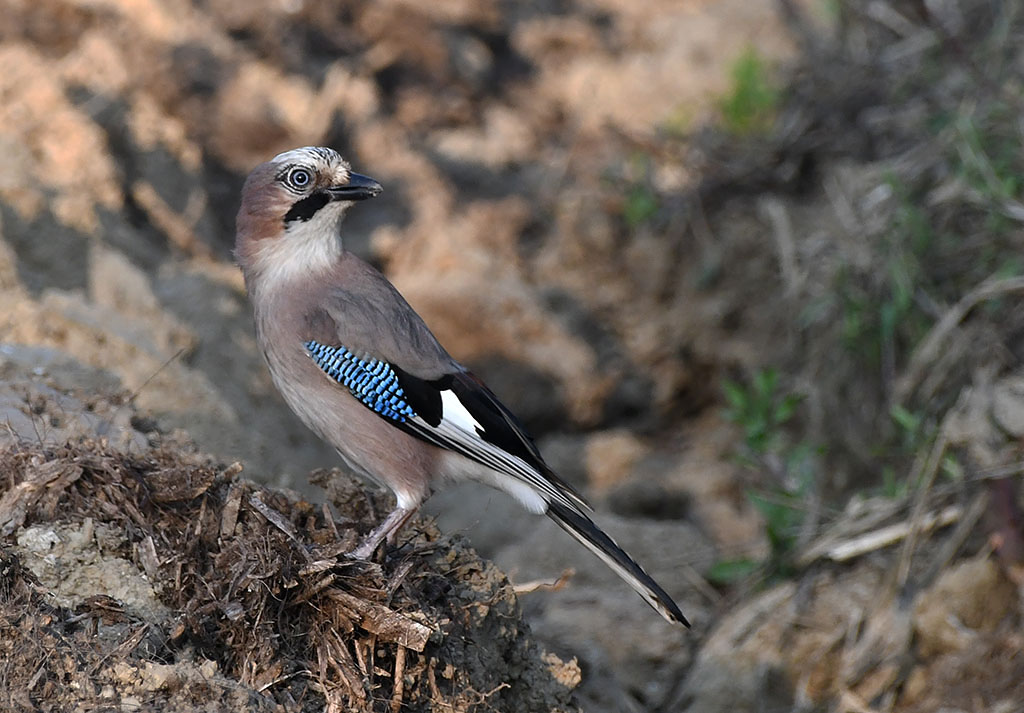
<point x="371" y="381"/>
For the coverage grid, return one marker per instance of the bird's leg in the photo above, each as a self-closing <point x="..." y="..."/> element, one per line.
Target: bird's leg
<point x="384" y="531"/>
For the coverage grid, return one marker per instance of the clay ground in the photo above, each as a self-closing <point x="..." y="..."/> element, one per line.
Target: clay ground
<point x="749" y="270"/>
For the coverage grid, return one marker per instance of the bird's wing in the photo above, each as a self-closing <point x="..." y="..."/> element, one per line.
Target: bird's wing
<point x="458" y="412"/>
<point x="409" y="380"/>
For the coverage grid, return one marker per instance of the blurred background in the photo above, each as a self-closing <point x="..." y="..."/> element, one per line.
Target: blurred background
<point x="750" y="270"/>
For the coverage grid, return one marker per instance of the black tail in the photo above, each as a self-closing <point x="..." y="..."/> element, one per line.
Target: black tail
<point x="583" y="529"/>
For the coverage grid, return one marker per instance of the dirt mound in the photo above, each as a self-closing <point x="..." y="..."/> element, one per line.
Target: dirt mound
<point x="159" y="580"/>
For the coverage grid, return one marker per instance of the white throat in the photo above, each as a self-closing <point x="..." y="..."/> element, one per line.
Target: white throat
<point x="307" y="249"/>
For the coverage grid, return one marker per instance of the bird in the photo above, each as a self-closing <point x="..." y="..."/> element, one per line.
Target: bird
<point x="363" y="371"/>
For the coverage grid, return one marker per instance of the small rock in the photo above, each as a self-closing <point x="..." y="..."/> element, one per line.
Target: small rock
<point x="969" y="598"/>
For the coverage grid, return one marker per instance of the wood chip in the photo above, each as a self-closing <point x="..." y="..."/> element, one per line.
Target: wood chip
<point x="341" y="661"/>
<point x="232" y="470"/>
<point x="273" y="516"/>
<point x="399" y="689"/>
<point x="128" y="645"/>
<point x="387" y="624"/>
<point x="179" y="484"/>
<point x="234" y="611"/>
<point x="15" y="504"/>
<point x="318" y="566"/>
<point x="229" y="515"/>
<point x="148" y="558"/>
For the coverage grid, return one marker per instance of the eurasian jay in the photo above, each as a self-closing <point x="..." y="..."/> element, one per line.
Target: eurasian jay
<point x="362" y="370"/>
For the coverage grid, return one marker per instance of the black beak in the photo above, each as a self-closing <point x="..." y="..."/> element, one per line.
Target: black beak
<point x="358" y="188"/>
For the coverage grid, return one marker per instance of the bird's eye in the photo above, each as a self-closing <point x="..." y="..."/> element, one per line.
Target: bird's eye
<point x="299" y="178"/>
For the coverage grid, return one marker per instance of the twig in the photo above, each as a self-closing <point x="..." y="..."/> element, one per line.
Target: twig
<point x="179" y="229"/>
<point x="283" y="678"/>
<point x="852" y="703"/>
<point x="281" y="523"/>
<point x="957" y="48"/>
<point x="883" y="537"/>
<point x="197" y="530"/>
<point x="36" y="677"/>
<point x="953" y="543"/>
<point x="17" y="502"/>
<point x="928" y="349"/>
<point x="400" y="573"/>
<point x="917" y="514"/>
<point x="399" y="685"/>
<point x="544" y="584"/>
<point x="329" y="519"/>
<point x="842" y="208"/>
<point x="435" y="693"/>
<point x="342" y="663"/>
<point x="128" y="645"/>
<point x="135" y="394"/>
<point x="886" y="15"/>
<point x="782" y="230"/>
<point x="699" y="583"/>
<point x="1009" y="470"/>
<point x="361" y="659"/>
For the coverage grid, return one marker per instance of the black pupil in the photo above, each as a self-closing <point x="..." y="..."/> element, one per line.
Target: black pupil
<point x="300" y="178"/>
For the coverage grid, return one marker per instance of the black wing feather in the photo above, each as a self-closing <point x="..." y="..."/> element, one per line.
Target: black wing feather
<point x="423" y="395"/>
<point x="502" y="428"/>
<point x="498" y="425"/>
<point x="597" y="541"/>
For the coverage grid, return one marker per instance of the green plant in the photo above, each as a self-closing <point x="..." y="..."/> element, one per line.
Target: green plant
<point x="730" y="571"/>
<point x="759" y="411"/>
<point x="986" y="153"/>
<point x="910" y="426"/>
<point x="762" y="412"/>
<point x="893" y="485"/>
<point x="641" y="202"/>
<point x="915" y="436"/>
<point x="752" y="103"/>
<point x="880" y="313"/>
<point x="641" y="205"/>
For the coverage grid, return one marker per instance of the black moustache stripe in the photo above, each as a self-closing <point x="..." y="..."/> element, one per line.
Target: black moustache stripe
<point x="306" y="208"/>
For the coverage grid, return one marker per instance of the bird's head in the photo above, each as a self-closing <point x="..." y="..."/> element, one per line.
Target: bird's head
<point x="291" y="207"/>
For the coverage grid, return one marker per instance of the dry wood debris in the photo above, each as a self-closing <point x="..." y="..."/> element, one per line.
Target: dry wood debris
<point x="259" y="609"/>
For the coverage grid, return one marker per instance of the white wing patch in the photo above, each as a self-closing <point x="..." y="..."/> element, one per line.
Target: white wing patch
<point x="455" y="413"/>
<point x="460" y="432"/>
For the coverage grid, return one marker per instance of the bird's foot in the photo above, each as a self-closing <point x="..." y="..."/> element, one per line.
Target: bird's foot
<point x="385" y="531"/>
